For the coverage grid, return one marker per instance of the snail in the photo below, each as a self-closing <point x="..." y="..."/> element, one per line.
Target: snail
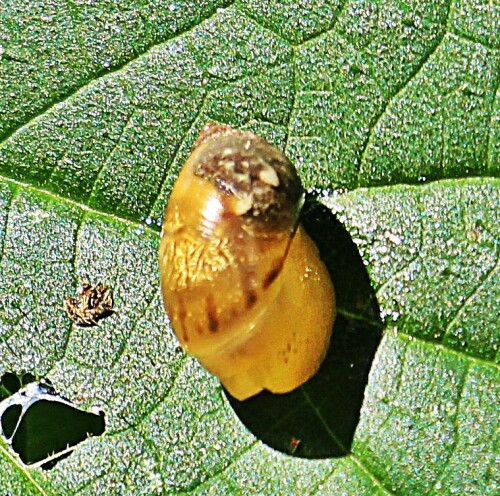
<point x="243" y="284"/>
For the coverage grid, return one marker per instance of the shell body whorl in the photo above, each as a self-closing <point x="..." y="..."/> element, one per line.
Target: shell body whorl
<point x="242" y="282"/>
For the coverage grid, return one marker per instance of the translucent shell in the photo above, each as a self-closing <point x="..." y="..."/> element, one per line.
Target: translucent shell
<point x="242" y="283"/>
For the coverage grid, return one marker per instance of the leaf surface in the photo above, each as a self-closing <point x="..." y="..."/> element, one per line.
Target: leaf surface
<point x="390" y="111"/>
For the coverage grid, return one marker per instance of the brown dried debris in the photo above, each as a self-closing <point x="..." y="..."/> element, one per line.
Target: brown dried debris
<point x="93" y="303"/>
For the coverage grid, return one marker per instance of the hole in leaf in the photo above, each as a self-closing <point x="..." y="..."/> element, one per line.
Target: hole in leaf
<point x="10" y="419"/>
<point x="11" y="383"/>
<point x="318" y="419"/>
<point x="41" y="426"/>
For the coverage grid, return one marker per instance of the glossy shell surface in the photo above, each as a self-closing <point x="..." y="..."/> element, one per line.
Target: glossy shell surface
<point x="242" y="282"/>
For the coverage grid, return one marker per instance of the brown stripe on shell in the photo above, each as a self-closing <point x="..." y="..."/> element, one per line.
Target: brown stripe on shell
<point x="251" y="298"/>
<point x="271" y="276"/>
<point x="213" y="321"/>
<point x="182" y="314"/>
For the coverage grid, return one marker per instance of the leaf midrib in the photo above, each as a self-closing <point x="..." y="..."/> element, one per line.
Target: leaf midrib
<point x="152" y="229"/>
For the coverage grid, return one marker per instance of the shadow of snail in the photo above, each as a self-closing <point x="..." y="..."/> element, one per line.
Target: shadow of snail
<point x="248" y="294"/>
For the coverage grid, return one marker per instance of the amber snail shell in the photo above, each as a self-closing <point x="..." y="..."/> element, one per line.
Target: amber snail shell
<point x="242" y="282"/>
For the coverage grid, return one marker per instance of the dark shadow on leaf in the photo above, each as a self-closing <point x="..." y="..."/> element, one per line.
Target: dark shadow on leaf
<point x="318" y="419"/>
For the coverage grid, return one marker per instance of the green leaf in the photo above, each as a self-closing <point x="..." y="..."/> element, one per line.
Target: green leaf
<point x="390" y="111"/>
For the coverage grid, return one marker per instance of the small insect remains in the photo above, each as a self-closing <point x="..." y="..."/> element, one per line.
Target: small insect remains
<point x="93" y="303"/>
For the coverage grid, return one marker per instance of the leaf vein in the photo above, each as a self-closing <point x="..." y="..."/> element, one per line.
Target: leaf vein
<point x="471" y="297"/>
<point x="76" y="238"/>
<point x="471" y="39"/>
<point x="160" y="400"/>
<point x="59" y="198"/>
<point x="14" y="193"/>
<point x="448" y="349"/>
<point x="491" y="127"/>
<point x="397" y="91"/>
<point x="22" y="469"/>
<point x="376" y="482"/>
<point x="131" y="330"/>
<point x="230" y="463"/>
<point x="323" y="421"/>
<point x="244" y="13"/>
<point x="105" y="72"/>
<point x="325" y="31"/>
<point x="456" y="434"/>
<point x="177" y="151"/>
<point x="104" y="165"/>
